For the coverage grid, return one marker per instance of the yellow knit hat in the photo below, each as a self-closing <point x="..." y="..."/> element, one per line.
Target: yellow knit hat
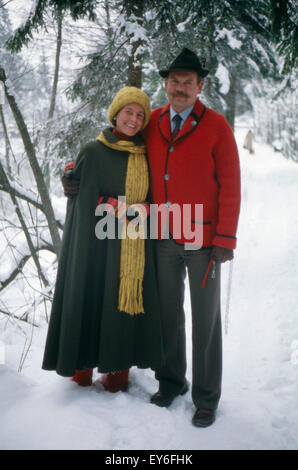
<point x="127" y="95"/>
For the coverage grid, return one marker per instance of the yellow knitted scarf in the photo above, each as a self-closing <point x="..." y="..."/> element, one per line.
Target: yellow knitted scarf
<point x="132" y="262"/>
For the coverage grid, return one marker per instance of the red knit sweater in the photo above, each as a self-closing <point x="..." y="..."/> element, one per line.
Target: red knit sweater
<point x="201" y="166"/>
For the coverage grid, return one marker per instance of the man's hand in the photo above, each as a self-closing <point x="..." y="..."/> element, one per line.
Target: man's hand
<point x="221" y="255"/>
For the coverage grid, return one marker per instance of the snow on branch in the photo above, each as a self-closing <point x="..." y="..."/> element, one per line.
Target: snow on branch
<point x="134" y="30"/>
<point x="232" y="41"/>
<point x="18" y="268"/>
<point x="222" y="74"/>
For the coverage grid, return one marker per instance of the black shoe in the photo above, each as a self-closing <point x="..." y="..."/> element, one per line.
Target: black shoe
<point x="166" y="399"/>
<point x="203" y="418"/>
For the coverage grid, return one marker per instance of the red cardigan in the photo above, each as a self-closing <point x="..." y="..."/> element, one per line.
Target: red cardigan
<point x="201" y="165"/>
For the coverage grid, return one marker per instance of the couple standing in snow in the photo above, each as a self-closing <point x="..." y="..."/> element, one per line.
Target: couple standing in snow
<point x="119" y="302"/>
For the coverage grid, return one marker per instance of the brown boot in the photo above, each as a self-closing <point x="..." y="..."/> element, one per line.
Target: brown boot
<point x="83" y="377"/>
<point x="203" y="418"/>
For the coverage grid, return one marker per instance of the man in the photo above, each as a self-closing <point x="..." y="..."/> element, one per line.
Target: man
<point x="248" y="142"/>
<point x="193" y="160"/>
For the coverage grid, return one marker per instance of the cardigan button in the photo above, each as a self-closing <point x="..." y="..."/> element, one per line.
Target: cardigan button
<point x="166" y="177"/>
<point x="193" y="123"/>
<point x="171" y="149"/>
<point x="168" y="203"/>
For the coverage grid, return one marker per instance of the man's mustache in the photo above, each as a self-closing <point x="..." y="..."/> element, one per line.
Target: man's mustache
<point x="180" y="94"/>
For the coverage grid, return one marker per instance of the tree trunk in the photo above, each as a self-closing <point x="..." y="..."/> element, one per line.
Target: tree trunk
<point x="134" y="71"/>
<point x="57" y="62"/>
<point x="231" y="98"/>
<point x="108" y="20"/>
<point x="135" y="7"/>
<point x="30" y="150"/>
<point x="6" y="138"/>
<point x="46" y="166"/>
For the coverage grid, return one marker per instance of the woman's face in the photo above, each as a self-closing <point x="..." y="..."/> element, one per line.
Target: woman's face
<point x="130" y="119"/>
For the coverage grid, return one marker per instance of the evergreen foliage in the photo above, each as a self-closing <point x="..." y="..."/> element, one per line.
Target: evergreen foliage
<point x="38" y="19"/>
<point x="284" y="15"/>
<point x="136" y="38"/>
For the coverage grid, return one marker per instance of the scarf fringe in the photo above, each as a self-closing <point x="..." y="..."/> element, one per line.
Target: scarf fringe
<point x="131" y="296"/>
<point x="132" y="266"/>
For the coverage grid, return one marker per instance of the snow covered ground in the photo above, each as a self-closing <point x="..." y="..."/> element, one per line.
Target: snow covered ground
<point x="259" y="405"/>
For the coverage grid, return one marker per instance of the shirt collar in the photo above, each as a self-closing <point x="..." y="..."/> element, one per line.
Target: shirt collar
<point x="183" y="114"/>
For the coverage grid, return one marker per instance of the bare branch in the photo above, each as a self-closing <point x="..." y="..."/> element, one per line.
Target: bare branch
<point x="8" y="1"/>
<point x="11" y="315"/>
<point x="19" y="268"/>
<point x="26" y="198"/>
<point x="18" y="194"/>
<point x="31" y="154"/>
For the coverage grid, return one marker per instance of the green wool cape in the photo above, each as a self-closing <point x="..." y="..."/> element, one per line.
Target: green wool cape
<point x="86" y="329"/>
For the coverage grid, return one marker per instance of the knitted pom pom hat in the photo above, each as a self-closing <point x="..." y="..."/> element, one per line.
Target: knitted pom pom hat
<point x="127" y="95"/>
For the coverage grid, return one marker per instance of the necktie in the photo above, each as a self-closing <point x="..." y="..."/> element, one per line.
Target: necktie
<point x="177" y="120"/>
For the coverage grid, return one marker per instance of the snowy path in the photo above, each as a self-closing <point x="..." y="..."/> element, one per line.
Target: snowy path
<point x="259" y="406"/>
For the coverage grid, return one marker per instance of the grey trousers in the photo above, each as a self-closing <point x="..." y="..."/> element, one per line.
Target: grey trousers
<point x="172" y="262"/>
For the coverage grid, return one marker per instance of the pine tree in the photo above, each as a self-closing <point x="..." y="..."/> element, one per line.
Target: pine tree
<point x="38" y="18"/>
<point x="233" y="38"/>
<point x="284" y="15"/>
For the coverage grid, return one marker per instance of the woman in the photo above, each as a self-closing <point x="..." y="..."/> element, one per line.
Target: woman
<point x="105" y="311"/>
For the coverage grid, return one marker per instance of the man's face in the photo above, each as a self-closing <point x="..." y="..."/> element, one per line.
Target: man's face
<point x="182" y="89"/>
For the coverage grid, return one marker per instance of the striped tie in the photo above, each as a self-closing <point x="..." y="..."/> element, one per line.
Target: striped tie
<point x="177" y="121"/>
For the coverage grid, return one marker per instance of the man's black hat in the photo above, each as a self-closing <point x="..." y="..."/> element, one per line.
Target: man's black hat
<point x="186" y="60"/>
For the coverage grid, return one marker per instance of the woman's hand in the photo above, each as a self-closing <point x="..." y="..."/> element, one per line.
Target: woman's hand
<point x="70" y="185"/>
